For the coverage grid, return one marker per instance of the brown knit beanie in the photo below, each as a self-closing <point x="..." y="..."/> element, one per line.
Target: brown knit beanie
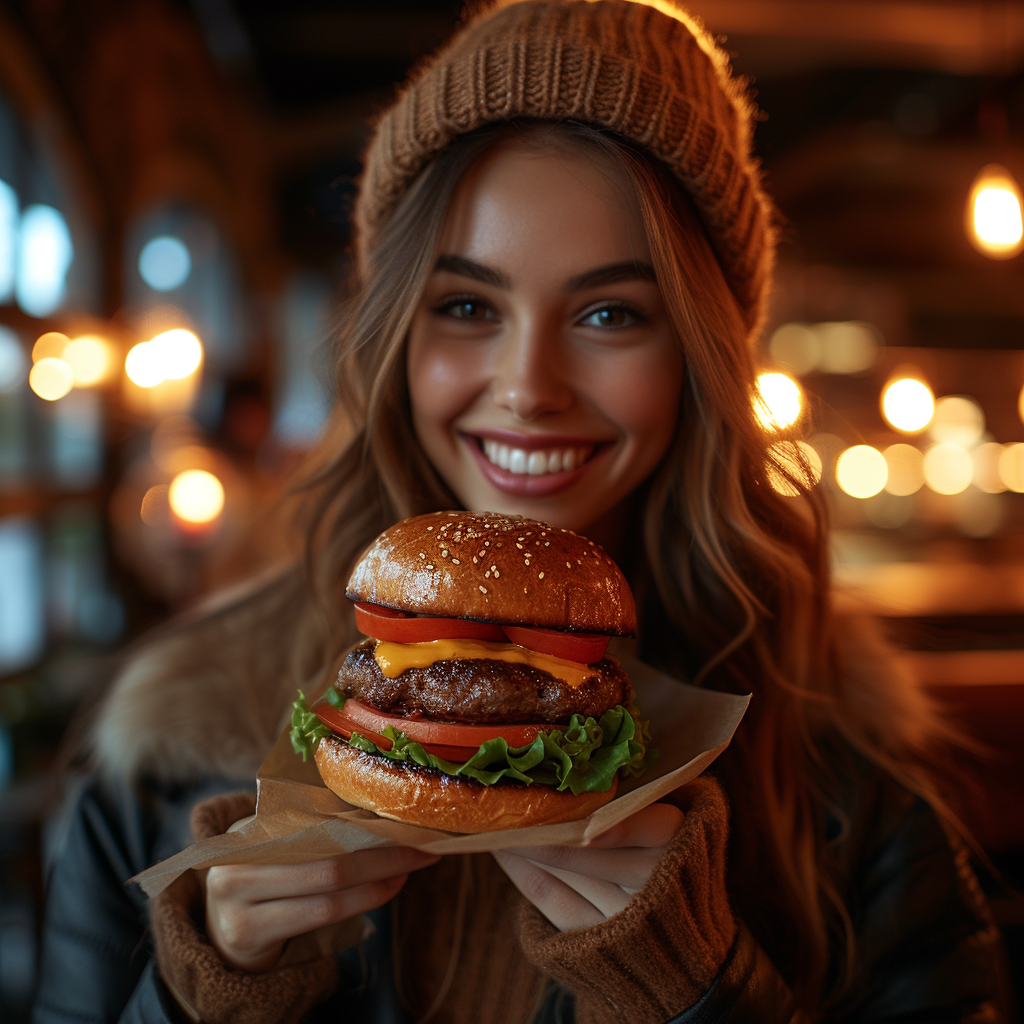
<point x="649" y="73"/>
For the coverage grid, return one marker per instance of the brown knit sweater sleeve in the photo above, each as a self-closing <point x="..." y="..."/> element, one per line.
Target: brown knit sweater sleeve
<point x="661" y="953"/>
<point x="205" y="987"/>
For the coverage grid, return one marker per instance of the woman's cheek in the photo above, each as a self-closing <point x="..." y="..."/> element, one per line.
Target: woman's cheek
<point x="440" y="384"/>
<point x="641" y="397"/>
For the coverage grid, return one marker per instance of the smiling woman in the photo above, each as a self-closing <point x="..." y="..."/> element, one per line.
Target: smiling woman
<point x="544" y="372"/>
<point x="563" y="258"/>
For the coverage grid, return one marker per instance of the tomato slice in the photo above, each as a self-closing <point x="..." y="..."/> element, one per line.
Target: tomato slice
<point x="583" y="647"/>
<point x="463" y="740"/>
<point x="387" y="624"/>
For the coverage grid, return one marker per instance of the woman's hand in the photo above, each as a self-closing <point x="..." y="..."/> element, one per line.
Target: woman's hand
<point x="580" y="886"/>
<point x="253" y="909"/>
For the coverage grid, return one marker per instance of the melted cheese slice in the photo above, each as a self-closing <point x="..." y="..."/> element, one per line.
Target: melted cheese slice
<point x="393" y="659"/>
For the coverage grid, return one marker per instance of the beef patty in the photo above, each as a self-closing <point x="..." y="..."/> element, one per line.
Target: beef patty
<point x="478" y="690"/>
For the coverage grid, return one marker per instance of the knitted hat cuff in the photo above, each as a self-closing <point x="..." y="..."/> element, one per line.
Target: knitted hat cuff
<point x="657" y="80"/>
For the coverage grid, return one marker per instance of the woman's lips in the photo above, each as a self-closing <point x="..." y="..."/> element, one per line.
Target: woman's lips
<point x="525" y="468"/>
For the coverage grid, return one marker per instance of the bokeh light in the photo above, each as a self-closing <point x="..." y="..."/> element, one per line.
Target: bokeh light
<point x="196" y="496"/>
<point x="986" y="467"/>
<point x="172" y="355"/>
<point x="12" y="360"/>
<point x="948" y="468"/>
<point x="45" y="252"/>
<point x="51" y="379"/>
<point x="179" y="352"/>
<point x="165" y="263"/>
<point x="848" y="346"/>
<point x="155" y="508"/>
<point x="994" y="221"/>
<point x="958" y="420"/>
<point x="792" y="459"/>
<point x="908" y="405"/>
<point x="90" y="359"/>
<point x="143" y="365"/>
<point x="1011" y="467"/>
<point x="861" y="471"/>
<point x="795" y="346"/>
<point x="49" y="346"/>
<point x="906" y="469"/>
<point x="778" y="401"/>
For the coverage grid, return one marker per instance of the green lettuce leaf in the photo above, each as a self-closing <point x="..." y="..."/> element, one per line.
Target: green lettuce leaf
<point x="583" y="756"/>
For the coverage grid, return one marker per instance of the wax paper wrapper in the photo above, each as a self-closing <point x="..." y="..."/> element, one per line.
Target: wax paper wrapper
<point x="299" y="819"/>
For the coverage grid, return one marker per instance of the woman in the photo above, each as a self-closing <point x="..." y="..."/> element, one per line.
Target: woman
<point x="564" y="252"/>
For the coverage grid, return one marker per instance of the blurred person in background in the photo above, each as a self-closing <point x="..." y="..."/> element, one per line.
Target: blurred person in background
<point x="563" y="246"/>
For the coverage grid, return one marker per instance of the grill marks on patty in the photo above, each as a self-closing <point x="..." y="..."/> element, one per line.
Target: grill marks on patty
<point x="481" y="691"/>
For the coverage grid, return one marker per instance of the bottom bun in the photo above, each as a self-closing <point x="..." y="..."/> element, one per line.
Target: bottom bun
<point x="422" y="796"/>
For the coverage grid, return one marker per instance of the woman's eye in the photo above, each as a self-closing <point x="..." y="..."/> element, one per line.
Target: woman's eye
<point x="466" y="309"/>
<point x="612" y="317"/>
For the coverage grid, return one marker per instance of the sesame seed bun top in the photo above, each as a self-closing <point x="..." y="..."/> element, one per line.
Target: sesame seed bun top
<point x="498" y="568"/>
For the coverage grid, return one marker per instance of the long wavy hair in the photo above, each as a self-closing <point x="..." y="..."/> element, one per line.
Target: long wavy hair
<point x="732" y="576"/>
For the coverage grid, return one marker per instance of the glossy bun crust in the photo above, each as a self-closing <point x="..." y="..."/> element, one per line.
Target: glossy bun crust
<point x="498" y="568"/>
<point x="425" y="797"/>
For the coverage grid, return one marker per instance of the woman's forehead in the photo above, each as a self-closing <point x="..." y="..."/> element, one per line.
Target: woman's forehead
<point x="562" y="207"/>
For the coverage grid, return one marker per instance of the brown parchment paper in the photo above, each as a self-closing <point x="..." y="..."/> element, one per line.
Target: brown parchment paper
<point x="299" y="819"/>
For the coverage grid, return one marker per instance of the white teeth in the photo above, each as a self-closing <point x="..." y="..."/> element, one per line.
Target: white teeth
<point x="537" y="462"/>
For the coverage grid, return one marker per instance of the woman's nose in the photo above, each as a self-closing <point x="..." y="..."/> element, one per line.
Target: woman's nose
<point x="529" y="379"/>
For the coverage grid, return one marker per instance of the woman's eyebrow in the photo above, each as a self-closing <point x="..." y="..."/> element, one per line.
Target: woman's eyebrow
<point x="470" y="268"/>
<point x="630" y="270"/>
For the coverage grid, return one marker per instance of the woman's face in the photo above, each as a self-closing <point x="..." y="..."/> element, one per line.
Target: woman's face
<point x="543" y="372"/>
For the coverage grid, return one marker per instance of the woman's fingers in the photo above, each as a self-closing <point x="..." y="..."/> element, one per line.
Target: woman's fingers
<point x="607" y="897"/>
<point x="577" y="887"/>
<point x="629" y="868"/>
<point x="565" y="908"/>
<point x="251" y="936"/>
<point x="655" y="825"/>
<point x="252" y="909"/>
<point x="257" y="882"/>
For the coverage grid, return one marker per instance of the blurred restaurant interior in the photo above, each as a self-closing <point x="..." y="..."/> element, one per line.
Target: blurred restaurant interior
<point x="174" y="185"/>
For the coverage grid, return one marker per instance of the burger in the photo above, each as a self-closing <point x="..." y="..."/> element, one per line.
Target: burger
<point x="482" y="697"/>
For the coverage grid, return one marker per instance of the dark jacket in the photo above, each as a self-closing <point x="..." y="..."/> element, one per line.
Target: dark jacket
<point x="926" y="951"/>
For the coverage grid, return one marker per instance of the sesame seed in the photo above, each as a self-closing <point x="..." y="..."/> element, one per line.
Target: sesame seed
<point x="455" y="561"/>
<point x="568" y="565"/>
<point x="444" y="552"/>
<point x="547" y="543"/>
<point x="496" y="573"/>
<point x="483" y="589"/>
<point x="422" y="555"/>
<point x="540" y="575"/>
<point x="428" y="567"/>
<point x="429" y="528"/>
<point x="487" y="543"/>
<point x="520" y="546"/>
<point x="475" y="559"/>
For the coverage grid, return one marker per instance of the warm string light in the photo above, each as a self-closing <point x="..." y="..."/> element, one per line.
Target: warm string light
<point x="790" y="461"/>
<point x="777" y="401"/>
<point x="196" y="497"/>
<point x="172" y="355"/>
<point x="861" y="471"/>
<point x="51" y="378"/>
<point x="908" y="405"/>
<point x="994" y="219"/>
